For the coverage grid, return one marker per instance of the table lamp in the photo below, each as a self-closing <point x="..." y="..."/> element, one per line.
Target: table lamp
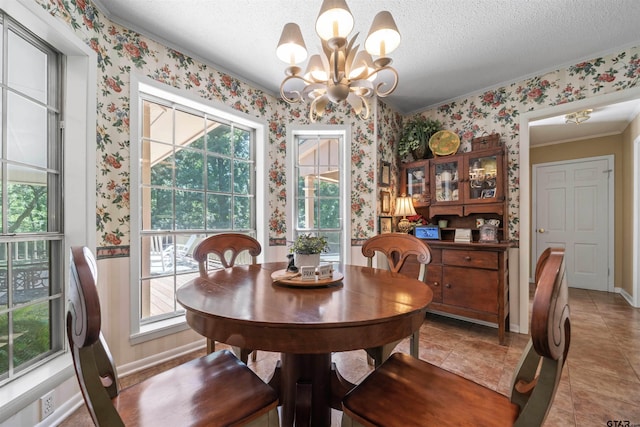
<point x="404" y="207"/>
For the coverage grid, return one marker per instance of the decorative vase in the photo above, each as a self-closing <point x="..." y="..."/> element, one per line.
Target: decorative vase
<point x="422" y="152"/>
<point x="307" y="260"/>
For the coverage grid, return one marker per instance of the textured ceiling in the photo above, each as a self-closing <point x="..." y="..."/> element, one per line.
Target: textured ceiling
<point x="449" y="48"/>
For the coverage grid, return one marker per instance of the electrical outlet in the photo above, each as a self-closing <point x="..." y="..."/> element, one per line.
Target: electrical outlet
<point x="46" y="405"/>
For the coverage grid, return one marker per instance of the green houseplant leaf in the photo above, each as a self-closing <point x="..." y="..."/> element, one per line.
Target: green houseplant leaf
<point x="307" y="244"/>
<point x="416" y="133"/>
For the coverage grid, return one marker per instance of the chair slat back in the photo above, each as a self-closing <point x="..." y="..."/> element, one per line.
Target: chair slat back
<point x="538" y="374"/>
<point x="92" y="359"/>
<point x="223" y="245"/>
<point x="397" y="247"/>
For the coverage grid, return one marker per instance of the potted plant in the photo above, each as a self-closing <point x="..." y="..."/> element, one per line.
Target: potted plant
<point x="307" y="249"/>
<point x="415" y="137"/>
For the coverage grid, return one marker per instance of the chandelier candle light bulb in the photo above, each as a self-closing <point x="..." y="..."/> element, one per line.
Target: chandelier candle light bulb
<point x="340" y="72"/>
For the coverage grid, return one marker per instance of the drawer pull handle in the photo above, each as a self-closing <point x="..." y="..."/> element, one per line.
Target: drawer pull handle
<point x="448" y="285"/>
<point x="467" y="258"/>
<point x="436" y="284"/>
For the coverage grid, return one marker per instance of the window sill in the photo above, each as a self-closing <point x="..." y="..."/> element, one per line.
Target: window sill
<point x="159" y="329"/>
<point x="27" y="389"/>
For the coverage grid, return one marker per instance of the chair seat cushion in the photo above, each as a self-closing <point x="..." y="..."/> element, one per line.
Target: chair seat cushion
<point x="214" y="387"/>
<point x="406" y="391"/>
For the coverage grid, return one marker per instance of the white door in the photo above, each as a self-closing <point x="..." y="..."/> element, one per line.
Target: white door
<point x="571" y="209"/>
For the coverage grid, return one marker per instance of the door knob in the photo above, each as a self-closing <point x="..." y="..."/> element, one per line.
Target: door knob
<point x="540" y="230"/>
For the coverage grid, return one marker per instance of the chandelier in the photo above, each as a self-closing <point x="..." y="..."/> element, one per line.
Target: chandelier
<point x="578" y="117"/>
<point x="340" y="72"/>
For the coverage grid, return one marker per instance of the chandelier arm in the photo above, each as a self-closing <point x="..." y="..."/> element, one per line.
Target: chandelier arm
<point x="366" y="108"/>
<point x="298" y="97"/>
<point x="380" y="93"/>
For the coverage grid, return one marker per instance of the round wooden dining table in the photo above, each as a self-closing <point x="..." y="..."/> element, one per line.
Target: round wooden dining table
<point x="242" y="306"/>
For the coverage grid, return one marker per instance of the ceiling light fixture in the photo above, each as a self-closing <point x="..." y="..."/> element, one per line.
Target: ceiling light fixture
<point x="340" y="72"/>
<point x="578" y="117"/>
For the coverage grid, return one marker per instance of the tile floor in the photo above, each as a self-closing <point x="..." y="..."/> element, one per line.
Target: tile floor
<point x="600" y="382"/>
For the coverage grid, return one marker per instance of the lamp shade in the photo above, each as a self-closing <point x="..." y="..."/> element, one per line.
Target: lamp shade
<point x="404" y="206"/>
<point x="316" y="70"/>
<point x="334" y="20"/>
<point x="291" y="48"/>
<point x="383" y="36"/>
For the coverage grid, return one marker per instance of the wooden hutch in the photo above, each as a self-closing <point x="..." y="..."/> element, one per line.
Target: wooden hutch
<point x="469" y="279"/>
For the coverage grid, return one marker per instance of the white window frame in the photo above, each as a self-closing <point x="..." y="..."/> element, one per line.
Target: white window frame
<point x="140" y="332"/>
<point x="344" y="132"/>
<point x="79" y="94"/>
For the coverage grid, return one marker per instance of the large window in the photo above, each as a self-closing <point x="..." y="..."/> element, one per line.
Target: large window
<point x="320" y="177"/>
<point x="196" y="178"/>
<point x="31" y="239"/>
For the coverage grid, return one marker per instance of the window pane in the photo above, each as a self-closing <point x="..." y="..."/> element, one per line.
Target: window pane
<point x="189" y="127"/>
<point x="4" y="289"/>
<point x="241" y="177"/>
<point x="30" y="271"/>
<point x="161" y="162"/>
<point x="26" y="131"/>
<point x="189" y="210"/>
<point x="329" y="188"/>
<point x="27" y="68"/>
<point x="31" y="327"/>
<point x="307" y="151"/>
<point x="158" y="122"/>
<point x="333" y="254"/>
<point x="219" y="174"/>
<point x="219" y="138"/>
<point x="307" y="213"/>
<point x="161" y="204"/>
<point x="190" y="169"/>
<point x="218" y="212"/>
<point x="4" y="345"/>
<point x="27" y="200"/>
<point x="329" y="213"/>
<point x="242" y="213"/>
<point x="242" y="144"/>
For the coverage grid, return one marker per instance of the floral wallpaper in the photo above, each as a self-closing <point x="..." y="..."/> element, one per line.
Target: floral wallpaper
<point x="498" y="110"/>
<point x="121" y="51"/>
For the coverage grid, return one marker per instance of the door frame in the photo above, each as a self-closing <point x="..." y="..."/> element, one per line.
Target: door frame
<point x="635" y="298"/>
<point x="521" y="290"/>
<point x="610" y="213"/>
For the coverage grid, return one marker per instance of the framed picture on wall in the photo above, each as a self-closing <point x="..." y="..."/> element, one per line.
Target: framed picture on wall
<point x="385" y="174"/>
<point x="385" y="202"/>
<point x="385" y="224"/>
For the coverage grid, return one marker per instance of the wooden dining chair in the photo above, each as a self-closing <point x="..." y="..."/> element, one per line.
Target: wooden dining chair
<point x="214" y="390"/>
<point x="226" y="247"/>
<point x="397" y="248"/>
<point x="406" y="391"/>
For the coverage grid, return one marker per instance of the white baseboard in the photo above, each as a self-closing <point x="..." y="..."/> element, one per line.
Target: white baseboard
<point x="156" y="359"/>
<point x="626" y="295"/>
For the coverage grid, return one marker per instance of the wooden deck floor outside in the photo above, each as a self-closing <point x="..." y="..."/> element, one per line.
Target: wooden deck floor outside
<point x="163" y="295"/>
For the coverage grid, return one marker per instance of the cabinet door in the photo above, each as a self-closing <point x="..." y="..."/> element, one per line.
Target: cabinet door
<point x="483" y="182"/>
<point x="434" y="281"/>
<point x="445" y="172"/>
<point x="471" y="288"/>
<point x="415" y="182"/>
